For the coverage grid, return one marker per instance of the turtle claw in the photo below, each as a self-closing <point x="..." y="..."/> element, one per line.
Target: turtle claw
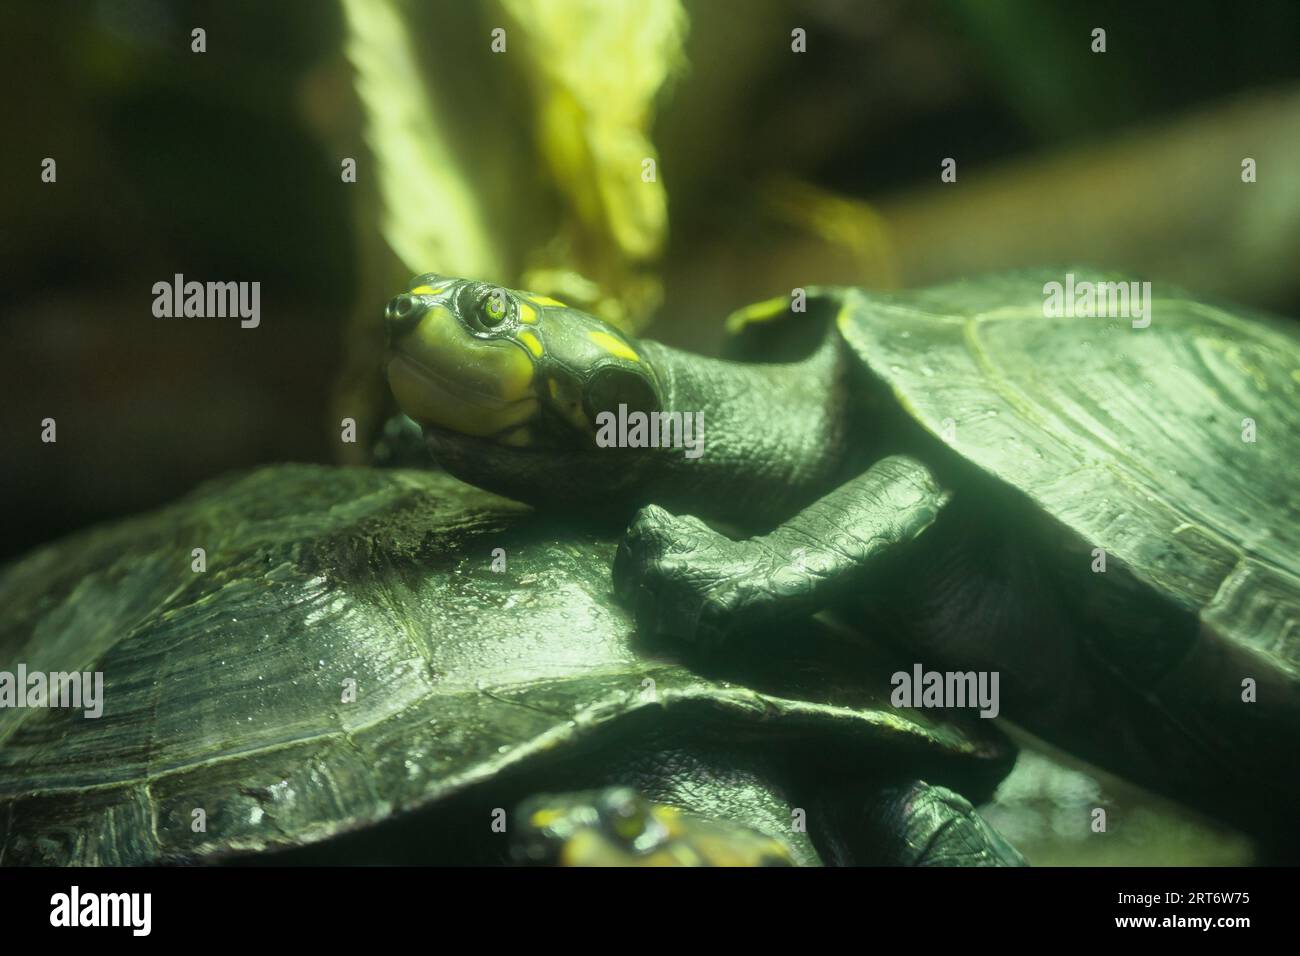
<point x="684" y="581"/>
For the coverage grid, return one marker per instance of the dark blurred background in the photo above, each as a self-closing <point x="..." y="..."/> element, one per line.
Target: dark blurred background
<point x="780" y="170"/>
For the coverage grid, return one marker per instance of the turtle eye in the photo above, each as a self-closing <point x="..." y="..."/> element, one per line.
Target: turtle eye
<point x="494" y="307"/>
<point x="484" y="308"/>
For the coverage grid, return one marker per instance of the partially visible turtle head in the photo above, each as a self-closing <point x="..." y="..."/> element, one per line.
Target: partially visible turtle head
<point x="508" y="385"/>
<point x="619" y="827"/>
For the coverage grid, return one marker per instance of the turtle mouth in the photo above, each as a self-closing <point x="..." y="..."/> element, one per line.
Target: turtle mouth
<point x="437" y="399"/>
<point x="438" y="380"/>
<point x="443" y="373"/>
<point x="582" y="478"/>
<point x="451" y="444"/>
<point x="443" y="440"/>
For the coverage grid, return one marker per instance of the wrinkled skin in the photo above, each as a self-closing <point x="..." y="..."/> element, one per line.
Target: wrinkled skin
<point x="684" y="579"/>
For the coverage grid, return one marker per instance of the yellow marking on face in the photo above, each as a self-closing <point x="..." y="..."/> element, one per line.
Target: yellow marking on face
<point x="547" y="300"/>
<point x="570" y="408"/>
<point x="613" y="346"/>
<point x="533" y="344"/>
<point x="527" y="313"/>
<point x="444" y="376"/>
<point x="427" y="290"/>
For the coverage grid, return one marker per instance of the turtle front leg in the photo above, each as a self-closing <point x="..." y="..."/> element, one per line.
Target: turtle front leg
<point x="906" y="823"/>
<point x="682" y="579"/>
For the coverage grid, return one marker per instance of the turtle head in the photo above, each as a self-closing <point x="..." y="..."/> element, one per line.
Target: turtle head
<point x="619" y="827"/>
<point x="508" y="385"/>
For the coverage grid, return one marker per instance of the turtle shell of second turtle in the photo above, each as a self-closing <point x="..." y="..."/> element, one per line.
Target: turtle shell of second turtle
<point x="366" y="643"/>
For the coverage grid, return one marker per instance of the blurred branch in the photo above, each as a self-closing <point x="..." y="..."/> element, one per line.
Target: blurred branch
<point x="1164" y="201"/>
<point x="430" y="216"/>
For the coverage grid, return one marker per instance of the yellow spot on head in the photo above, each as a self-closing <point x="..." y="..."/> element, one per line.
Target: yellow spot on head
<point x="532" y="342"/>
<point x="613" y="346"/>
<point x="527" y="313"/>
<point x="547" y="300"/>
<point x="427" y="290"/>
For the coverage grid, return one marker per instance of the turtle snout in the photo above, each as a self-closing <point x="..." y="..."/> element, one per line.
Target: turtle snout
<point x="402" y="314"/>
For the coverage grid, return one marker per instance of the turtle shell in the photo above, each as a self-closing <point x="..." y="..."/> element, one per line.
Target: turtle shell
<point x="1172" y="448"/>
<point x="350" y="653"/>
<point x="1131" y="437"/>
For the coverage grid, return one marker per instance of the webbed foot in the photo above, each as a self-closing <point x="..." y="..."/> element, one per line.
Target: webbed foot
<point x="682" y="579"/>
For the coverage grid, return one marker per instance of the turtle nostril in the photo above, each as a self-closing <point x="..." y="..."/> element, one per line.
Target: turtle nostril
<point x="402" y="314"/>
<point x="399" y="307"/>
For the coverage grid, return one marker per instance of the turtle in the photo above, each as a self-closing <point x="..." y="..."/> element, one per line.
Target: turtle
<point x="1100" y="509"/>
<point x="317" y="664"/>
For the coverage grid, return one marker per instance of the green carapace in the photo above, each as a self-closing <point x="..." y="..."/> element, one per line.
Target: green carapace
<point x="368" y="665"/>
<point x="1102" y="510"/>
